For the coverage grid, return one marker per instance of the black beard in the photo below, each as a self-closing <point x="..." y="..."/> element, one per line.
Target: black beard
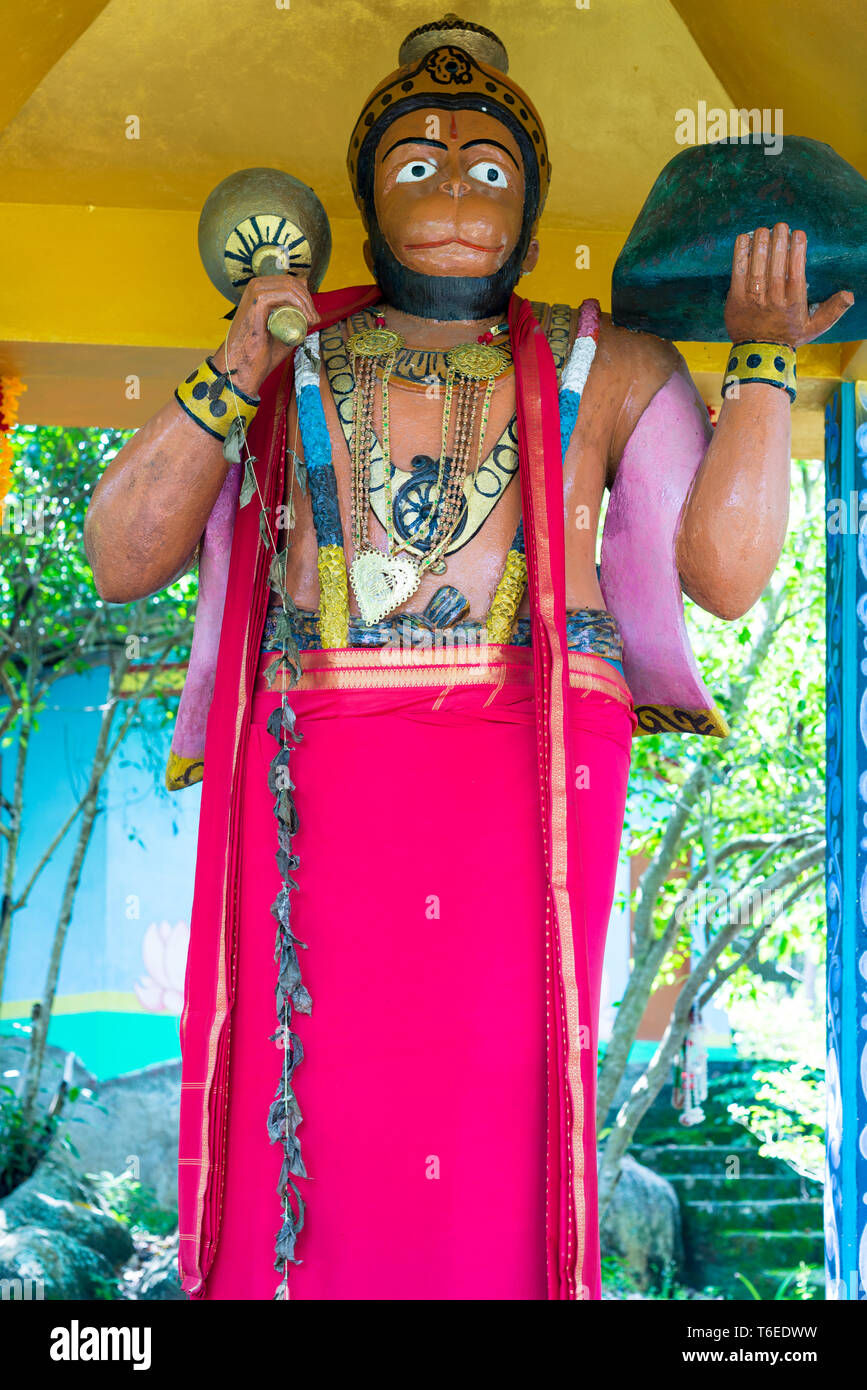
<point x="444" y="297"/>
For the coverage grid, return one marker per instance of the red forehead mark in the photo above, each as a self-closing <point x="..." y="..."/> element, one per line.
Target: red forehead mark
<point x="453" y="130"/>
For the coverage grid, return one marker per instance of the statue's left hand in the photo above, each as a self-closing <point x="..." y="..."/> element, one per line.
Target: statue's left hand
<point x="767" y="298"/>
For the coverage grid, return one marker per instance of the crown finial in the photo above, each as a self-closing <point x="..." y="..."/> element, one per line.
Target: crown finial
<point x="482" y="44"/>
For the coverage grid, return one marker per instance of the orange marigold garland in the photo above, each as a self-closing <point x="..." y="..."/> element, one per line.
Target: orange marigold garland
<point x="11" y="390"/>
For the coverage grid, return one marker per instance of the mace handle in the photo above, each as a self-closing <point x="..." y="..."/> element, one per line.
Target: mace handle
<point x="288" y="324"/>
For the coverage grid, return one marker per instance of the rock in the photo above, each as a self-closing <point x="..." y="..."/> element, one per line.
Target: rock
<point x="56" y="1177"/>
<point x="51" y="1265"/>
<point x="138" y="1130"/>
<point x="13" y="1066"/>
<point x="642" y="1226"/>
<point x="53" y="1200"/>
<point x="160" y="1280"/>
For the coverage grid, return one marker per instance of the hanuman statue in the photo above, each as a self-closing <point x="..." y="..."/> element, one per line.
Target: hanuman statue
<point x="413" y="723"/>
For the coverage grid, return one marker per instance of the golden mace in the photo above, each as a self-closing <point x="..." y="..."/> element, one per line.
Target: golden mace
<point x="265" y="222"/>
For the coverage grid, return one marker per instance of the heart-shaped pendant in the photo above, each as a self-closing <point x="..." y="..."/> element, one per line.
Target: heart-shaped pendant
<point x="382" y="582"/>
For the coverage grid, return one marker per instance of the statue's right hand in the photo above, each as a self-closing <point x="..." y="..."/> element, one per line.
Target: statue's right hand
<point x="251" y="351"/>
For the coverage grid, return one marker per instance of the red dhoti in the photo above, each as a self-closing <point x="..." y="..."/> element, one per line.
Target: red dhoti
<point x="460" y="817"/>
<point x="422" y="901"/>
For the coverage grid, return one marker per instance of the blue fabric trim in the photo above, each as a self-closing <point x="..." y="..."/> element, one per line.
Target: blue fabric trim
<point x="314" y="430"/>
<point x="316" y="443"/>
<point x="447" y="607"/>
<point x="569" y="403"/>
<point x="587" y="630"/>
<point x="326" y="508"/>
<point x="323" y="484"/>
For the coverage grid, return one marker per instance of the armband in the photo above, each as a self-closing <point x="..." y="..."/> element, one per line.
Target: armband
<point x="770" y="364"/>
<point x="213" y="402"/>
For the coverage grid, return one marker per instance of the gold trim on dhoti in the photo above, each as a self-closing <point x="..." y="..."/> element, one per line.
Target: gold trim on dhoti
<point x="388" y="668"/>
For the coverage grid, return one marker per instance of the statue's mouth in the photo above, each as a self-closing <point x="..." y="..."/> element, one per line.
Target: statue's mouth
<point x="450" y="241"/>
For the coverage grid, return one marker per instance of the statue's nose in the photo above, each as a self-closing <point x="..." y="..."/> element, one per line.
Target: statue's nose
<point x="455" y="184"/>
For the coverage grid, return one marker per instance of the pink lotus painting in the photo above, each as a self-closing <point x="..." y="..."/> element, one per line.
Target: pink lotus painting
<point x="164" y="950"/>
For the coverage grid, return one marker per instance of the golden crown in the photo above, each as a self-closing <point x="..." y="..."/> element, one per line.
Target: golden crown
<point x="475" y="39"/>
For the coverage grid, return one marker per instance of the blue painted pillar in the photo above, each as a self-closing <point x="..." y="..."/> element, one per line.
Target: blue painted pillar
<point x="846" y="818"/>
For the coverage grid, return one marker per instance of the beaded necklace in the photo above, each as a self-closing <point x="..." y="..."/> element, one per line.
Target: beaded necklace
<point x="383" y="580"/>
<point x="333" y="581"/>
<point x="415" y="368"/>
<point x="414" y="491"/>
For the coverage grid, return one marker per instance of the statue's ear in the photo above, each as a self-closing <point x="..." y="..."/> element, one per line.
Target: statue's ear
<point x="368" y="256"/>
<point x="531" y="257"/>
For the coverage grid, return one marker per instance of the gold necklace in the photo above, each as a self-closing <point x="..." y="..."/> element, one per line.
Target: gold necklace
<point x="417" y="368"/>
<point x="382" y="581"/>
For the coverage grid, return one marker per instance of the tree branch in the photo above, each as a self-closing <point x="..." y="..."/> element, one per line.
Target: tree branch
<point x="647" y="1088"/>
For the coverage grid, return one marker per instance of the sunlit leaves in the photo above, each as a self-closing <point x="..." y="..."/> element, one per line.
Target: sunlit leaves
<point x="768" y="778"/>
<point x="53" y="619"/>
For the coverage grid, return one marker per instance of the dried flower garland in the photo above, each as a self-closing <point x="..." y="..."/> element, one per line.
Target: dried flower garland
<point x="284" y="1115"/>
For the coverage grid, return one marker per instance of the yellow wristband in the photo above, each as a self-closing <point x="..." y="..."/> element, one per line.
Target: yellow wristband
<point x="769" y="364"/>
<point x="210" y="400"/>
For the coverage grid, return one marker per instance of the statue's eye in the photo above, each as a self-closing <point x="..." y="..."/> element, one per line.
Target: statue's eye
<point x="489" y="173"/>
<point x="416" y="171"/>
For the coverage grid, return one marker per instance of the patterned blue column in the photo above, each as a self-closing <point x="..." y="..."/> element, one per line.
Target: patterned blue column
<point x="846" y="816"/>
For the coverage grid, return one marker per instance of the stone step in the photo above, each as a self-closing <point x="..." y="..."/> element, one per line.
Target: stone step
<point x="709" y="1159"/>
<point x="750" y="1251"/>
<point x="730" y="1136"/>
<point x="703" y="1187"/>
<point x="705" y="1219"/>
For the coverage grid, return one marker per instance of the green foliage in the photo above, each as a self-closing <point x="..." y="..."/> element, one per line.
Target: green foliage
<point x="773" y="1022"/>
<point x="107" y="1291"/>
<point x="22" y="1144"/>
<point x="783" y="1101"/>
<point x="134" y="1203"/>
<point x="45" y="578"/>
<point x="53" y="622"/>
<point x="767" y="778"/>
<point x="25" y="1141"/>
<point x="787" y="1116"/>
<point x="798" y="1280"/>
<point x="618" y="1281"/>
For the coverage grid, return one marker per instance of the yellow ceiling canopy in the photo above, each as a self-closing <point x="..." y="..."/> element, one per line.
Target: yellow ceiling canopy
<point x="117" y="119"/>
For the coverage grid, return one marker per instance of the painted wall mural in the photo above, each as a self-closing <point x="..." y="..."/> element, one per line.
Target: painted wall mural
<point x="164" y="951"/>
<point x="121" y="981"/>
